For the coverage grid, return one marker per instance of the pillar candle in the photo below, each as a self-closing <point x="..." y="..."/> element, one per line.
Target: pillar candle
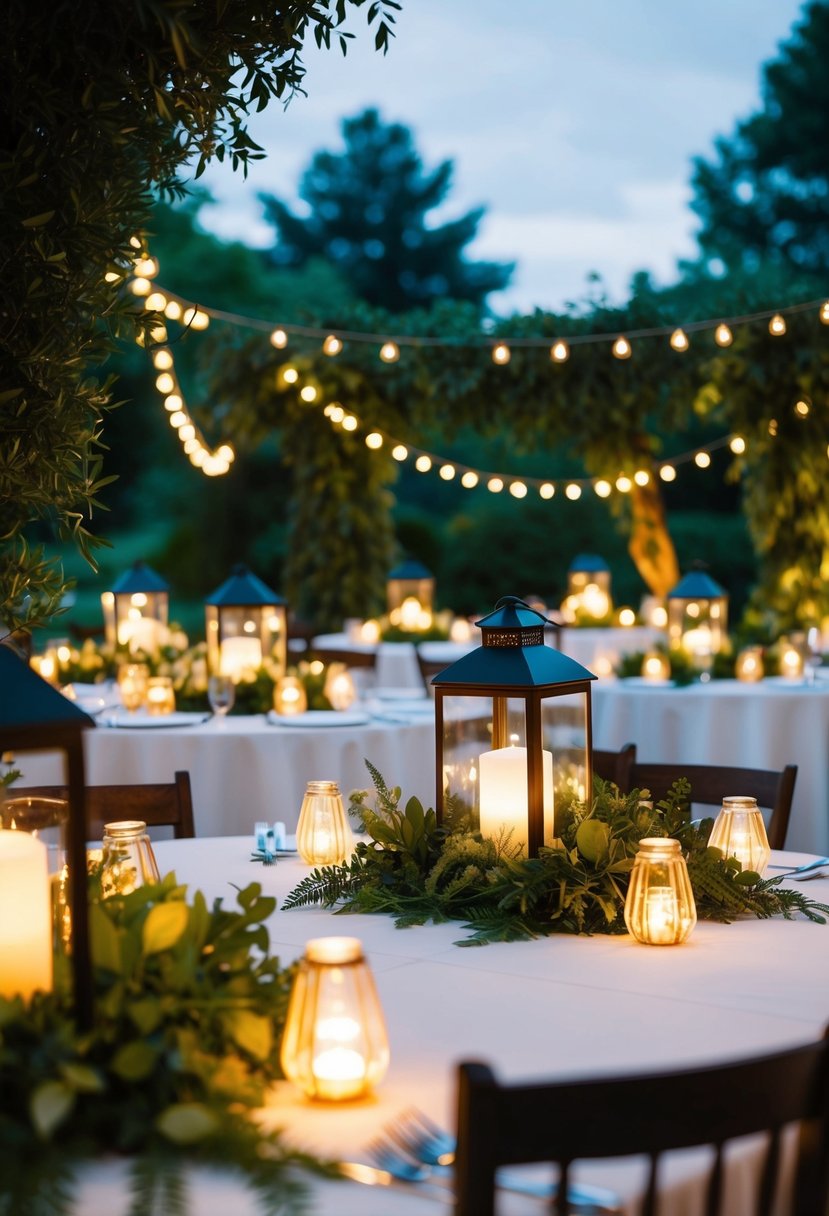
<point x="503" y="794"/>
<point x="25" y="916"/>
<point x="238" y="655"/>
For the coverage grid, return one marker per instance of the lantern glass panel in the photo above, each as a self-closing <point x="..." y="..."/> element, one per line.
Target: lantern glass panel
<point x="699" y="626"/>
<point x="400" y="589"/>
<point x="241" y="636"/>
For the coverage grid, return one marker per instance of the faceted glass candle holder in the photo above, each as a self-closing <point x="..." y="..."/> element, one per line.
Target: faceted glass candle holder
<point x="323" y="834"/>
<point x="739" y="830"/>
<point x="660" y="909"/>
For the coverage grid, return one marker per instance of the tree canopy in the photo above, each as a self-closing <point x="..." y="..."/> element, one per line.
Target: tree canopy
<point x="368" y="216"/>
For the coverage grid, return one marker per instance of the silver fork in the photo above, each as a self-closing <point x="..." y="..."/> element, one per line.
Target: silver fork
<point x="414" y="1149"/>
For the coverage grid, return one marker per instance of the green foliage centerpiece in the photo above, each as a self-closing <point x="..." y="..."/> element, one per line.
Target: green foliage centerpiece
<point x="416" y="870"/>
<point x="189" y="1008"/>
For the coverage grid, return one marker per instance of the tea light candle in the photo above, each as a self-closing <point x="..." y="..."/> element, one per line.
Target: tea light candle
<point x="238" y="656"/>
<point x="410" y="614"/>
<point x="289" y="696"/>
<point x="161" y="699"/>
<point x="791" y="663"/>
<point x="370" y="632"/>
<point x="25" y="916"/>
<point x="656" y="667"/>
<point x="662" y="915"/>
<point x="460" y="630"/>
<point x="340" y="689"/>
<point x="504" y="794"/>
<point x="749" y="665"/>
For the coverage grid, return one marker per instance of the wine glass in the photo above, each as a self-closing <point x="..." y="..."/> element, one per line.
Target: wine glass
<point x="221" y="693"/>
<point x="814" y="654"/>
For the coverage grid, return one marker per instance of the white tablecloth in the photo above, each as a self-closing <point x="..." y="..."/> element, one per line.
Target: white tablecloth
<point x="765" y="725"/>
<point x="599" y="650"/>
<point x="243" y="768"/>
<point x="561" y="1006"/>
<point x="397" y="661"/>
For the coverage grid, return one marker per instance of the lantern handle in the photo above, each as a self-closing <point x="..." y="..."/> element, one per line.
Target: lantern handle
<point x="515" y="601"/>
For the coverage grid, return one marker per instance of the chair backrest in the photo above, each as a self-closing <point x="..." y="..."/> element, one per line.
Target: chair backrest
<point x="158" y="805"/>
<point x="616" y="766"/>
<point x="351" y="658"/>
<point x="429" y="668"/>
<point x="562" y="1122"/>
<point x="711" y="783"/>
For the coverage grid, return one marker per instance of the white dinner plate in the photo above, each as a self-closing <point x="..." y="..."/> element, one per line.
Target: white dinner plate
<point x="320" y="717"/>
<point x="141" y="720"/>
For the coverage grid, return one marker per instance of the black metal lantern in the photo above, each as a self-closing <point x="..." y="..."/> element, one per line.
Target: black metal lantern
<point x="410" y="593"/>
<point x="513" y="729"/>
<point x="245" y="623"/>
<point x="136" y="609"/>
<point x="698" y="616"/>
<point x="35" y="717"/>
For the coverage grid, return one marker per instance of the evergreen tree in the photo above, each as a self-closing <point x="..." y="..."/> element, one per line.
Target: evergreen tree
<point x="368" y="216"/>
<point x="763" y="198"/>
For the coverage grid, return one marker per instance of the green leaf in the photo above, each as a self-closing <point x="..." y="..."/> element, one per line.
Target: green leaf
<point x="82" y="1078"/>
<point x="50" y="1104"/>
<point x="164" y="926"/>
<point x="134" y="1061"/>
<point x="36" y="221"/>
<point x="146" y="1014"/>
<point x="186" y="1123"/>
<point x="104" y="940"/>
<point x="250" y="1031"/>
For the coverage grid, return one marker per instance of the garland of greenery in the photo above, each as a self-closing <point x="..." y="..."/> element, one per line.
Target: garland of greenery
<point x="189" y="1008"/>
<point x="417" y="870"/>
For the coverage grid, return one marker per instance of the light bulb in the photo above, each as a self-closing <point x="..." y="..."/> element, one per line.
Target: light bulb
<point x="332" y="345"/>
<point x="173" y="310"/>
<point x="737" y="445"/>
<point x="400" y="451"/>
<point x="469" y="479"/>
<point x="146" y="267"/>
<point x="641" y="477"/>
<point x="179" y="418"/>
<point x="155" y="301"/>
<point x="667" y="472"/>
<point x="165" y="383"/>
<point x="140" y="286"/>
<point x="495" y="485"/>
<point x="187" y="432"/>
<point x="546" y="489"/>
<point x="349" y="423"/>
<point x="501" y="353"/>
<point x="162" y="360"/>
<point x="423" y="464"/>
<point x="802" y="407"/>
<point x="622" y="348"/>
<point x="679" y="340"/>
<point x="517" y="489"/>
<point x="279" y="339"/>
<point x="173" y="402"/>
<point x="777" y="326"/>
<point x="824" y="312"/>
<point x="337" y="413"/>
<point x="559" y="352"/>
<point x="389" y="352"/>
<point x="624" y="484"/>
<point x="602" y="488"/>
<point x="290" y="375"/>
<point x="308" y="393"/>
<point x="702" y="460"/>
<point x="195" y="318"/>
<point x="447" y="471"/>
<point x="723" y="335"/>
<point x="573" y="491"/>
<point x="374" y="440"/>
<point x="226" y="452"/>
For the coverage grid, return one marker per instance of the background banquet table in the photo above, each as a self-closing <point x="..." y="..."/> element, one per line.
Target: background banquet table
<point x="765" y="725"/>
<point x="560" y="1006"/>
<point x="243" y="768"/>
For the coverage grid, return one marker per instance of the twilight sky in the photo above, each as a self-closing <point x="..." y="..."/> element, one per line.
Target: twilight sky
<point x="574" y="124"/>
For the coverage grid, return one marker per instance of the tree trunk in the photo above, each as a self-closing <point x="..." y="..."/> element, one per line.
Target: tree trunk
<point x="650" y="544"/>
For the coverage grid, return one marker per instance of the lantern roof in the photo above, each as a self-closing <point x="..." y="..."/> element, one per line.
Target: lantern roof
<point x="29" y="701"/>
<point x="140" y="577"/>
<point x="243" y="588"/>
<point x="697" y="585"/>
<point x="410" y="568"/>
<point x="590" y="563"/>
<point x="513" y="653"/>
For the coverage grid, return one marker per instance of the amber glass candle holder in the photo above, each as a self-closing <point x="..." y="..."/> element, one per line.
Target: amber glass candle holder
<point x="289" y="696"/>
<point x="323" y="834"/>
<point x="334" y="1046"/>
<point x="739" y="831"/>
<point x="660" y="909"/>
<point x="161" y="697"/>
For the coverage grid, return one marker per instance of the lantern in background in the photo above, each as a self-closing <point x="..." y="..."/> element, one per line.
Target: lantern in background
<point x="698" y="617"/>
<point x="136" y="610"/>
<point x="334" y="1046"/>
<point x="588" y="588"/>
<point x="410" y="593"/>
<point x="36" y="717"/>
<point x="245" y="622"/>
<point x="739" y="830"/>
<point x="513" y="729"/>
<point x="289" y="696"/>
<point x="656" y="667"/>
<point x="659" y="907"/>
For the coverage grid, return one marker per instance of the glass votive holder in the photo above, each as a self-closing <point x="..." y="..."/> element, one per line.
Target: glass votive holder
<point x="749" y="665"/>
<point x="132" y="684"/>
<point x="659" y="908"/>
<point x="323" y="834"/>
<point x="791" y="659"/>
<point x="656" y="667"/>
<point x="740" y="831"/>
<point x="127" y="860"/>
<point x="161" y="698"/>
<point x="334" y="1046"/>
<point x="289" y="696"/>
<point x="340" y="688"/>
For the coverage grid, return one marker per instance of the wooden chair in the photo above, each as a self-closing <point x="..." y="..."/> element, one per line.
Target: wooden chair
<point x="711" y="783"/>
<point x="616" y="766"/>
<point x="562" y="1122"/>
<point x="365" y="659"/>
<point x="157" y="805"/>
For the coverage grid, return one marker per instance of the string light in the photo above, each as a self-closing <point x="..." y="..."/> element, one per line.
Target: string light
<point x="332" y="345"/>
<point x="679" y="340"/>
<point x="547" y="489"/>
<point x="702" y="460"/>
<point x="173" y="310"/>
<point x="573" y="491"/>
<point x="389" y="352"/>
<point x="622" y="348"/>
<point x="423" y="464"/>
<point x="667" y="472"/>
<point x="447" y="471"/>
<point x="374" y="440"/>
<point x="777" y="326"/>
<point x="641" y="477"/>
<point x="290" y="375"/>
<point x="469" y="479"/>
<point x="624" y="484"/>
<point x="518" y="489"/>
<point x="350" y="423"/>
<point x="773" y="427"/>
<point x="165" y="383"/>
<point x="162" y="360"/>
<point x="400" y="451"/>
<point x="560" y="351"/>
<point x="737" y="444"/>
<point x="802" y="407"/>
<point x="501" y="353"/>
<point x="603" y="488"/>
<point x="824" y="312"/>
<point x="723" y="335"/>
<point x="279" y="339"/>
<point x="156" y="301"/>
<point x="308" y="393"/>
<point x="495" y="485"/>
<point x="140" y="286"/>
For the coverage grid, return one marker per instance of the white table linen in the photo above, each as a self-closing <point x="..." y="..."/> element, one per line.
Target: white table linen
<point x="765" y="725"/>
<point x="396" y="661"/>
<point x="561" y="1006"/>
